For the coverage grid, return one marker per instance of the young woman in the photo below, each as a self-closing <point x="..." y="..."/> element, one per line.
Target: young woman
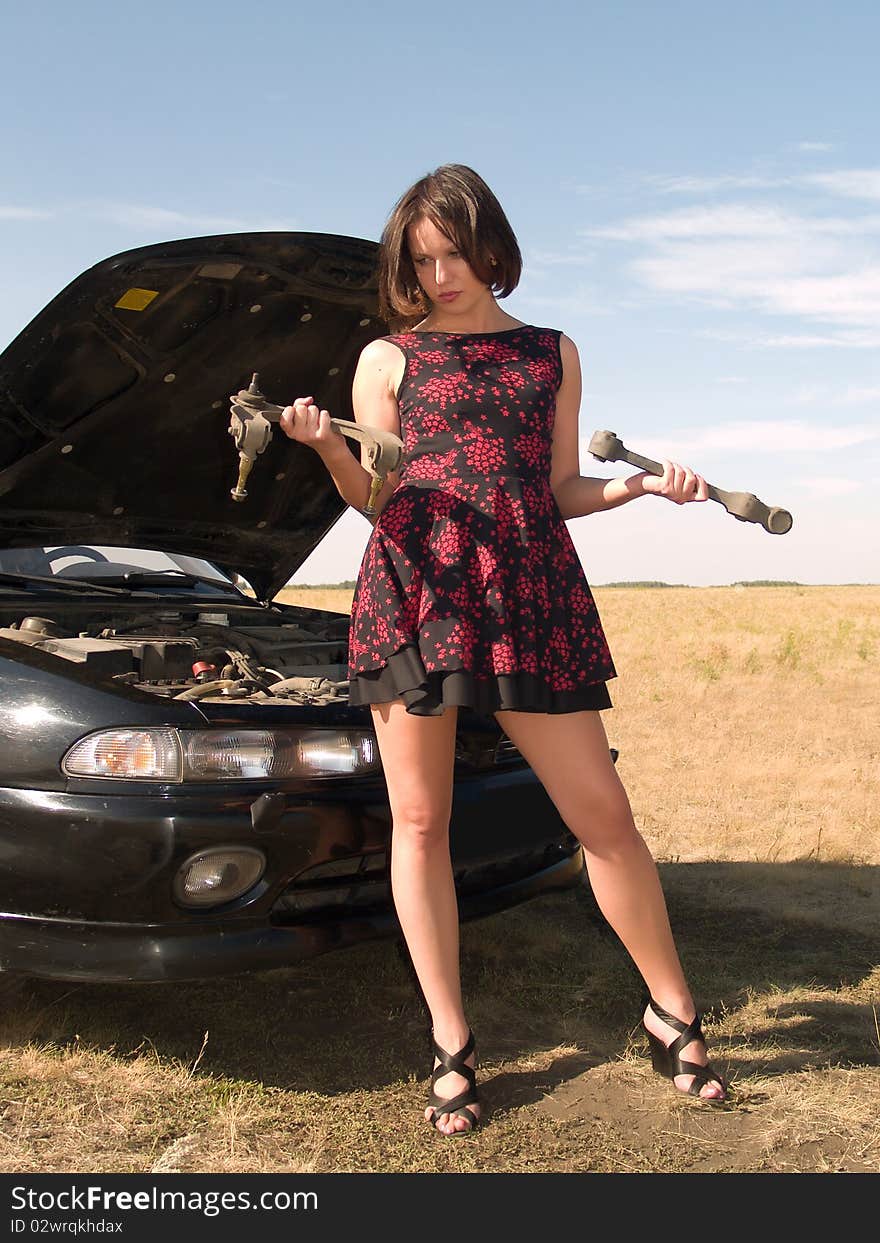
<point x="471" y="593"/>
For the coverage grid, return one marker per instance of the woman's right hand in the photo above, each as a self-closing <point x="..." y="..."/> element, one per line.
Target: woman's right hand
<point x="303" y="421"/>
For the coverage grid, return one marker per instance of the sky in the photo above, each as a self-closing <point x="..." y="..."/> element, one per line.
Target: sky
<point x="695" y="187"/>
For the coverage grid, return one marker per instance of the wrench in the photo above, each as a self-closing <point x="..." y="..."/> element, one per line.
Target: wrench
<point x="251" y="419"/>
<point x="744" y="506"/>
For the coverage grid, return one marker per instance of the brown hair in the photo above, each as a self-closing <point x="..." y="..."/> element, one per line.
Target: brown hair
<point x="459" y="203"/>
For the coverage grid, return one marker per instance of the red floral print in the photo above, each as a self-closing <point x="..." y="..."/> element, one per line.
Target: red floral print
<point x="470" y="569"/>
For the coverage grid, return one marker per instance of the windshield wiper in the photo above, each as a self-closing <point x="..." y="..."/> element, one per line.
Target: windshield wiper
<point x="172" y="578"/>
<point x="76" y="585"/>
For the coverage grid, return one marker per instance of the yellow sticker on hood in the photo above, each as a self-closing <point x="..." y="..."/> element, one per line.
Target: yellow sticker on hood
<point x="136" y="299"/>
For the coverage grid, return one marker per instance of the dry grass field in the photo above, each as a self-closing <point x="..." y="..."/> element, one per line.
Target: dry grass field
<point x="748" y="726"/>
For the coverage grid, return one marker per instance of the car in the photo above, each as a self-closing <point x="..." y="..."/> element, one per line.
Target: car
<point x="186" y="790"/>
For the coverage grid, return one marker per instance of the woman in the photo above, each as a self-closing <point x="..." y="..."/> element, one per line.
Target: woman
<point x="470" y="592"/>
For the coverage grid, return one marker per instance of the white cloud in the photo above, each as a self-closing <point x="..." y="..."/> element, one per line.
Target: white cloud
<point x="807" y="395"/>
<point x="272" y="224"/>
<point x="852" y="297"/>
<point x="24" y="213"/>
<point x="154" y="219"/>
<point x="582" y="300"/>
<point x="733" y="220"/>
<point x="771" y="436"/>
<point x="815" y="394"/>
<point x="147" y="216"/>
<point x="814" y="146"/>
<point x="838" y="340"/>
<point x="141" y="217"/>
<point x="862" y="183"/>
<point x="854" y="396"/>
<point x="554" y="258"/>
<point x="793" y="435"/>
<point x="701" y="544"/>
<point x="827" y="485"/>
<point x="764" y="258"/>
<point x="856" y="183"/>
<point x="849" y="338"/>
<point x="708" y="185"/>
<point x="773" y="278"/>
<point x="731" y="269"/>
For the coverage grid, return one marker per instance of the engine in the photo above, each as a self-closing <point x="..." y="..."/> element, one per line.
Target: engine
<point x="204" y="656"/>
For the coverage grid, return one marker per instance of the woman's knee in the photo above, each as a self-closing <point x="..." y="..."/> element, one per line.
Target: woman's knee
<point x="420" y="826"/>
<point x="604" y="820"/>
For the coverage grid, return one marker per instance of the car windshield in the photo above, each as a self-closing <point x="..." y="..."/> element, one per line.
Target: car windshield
<point x="102" y="564"/>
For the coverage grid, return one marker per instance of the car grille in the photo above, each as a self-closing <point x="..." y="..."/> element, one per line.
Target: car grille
<point x="361" y="885"/>
<point x="483" y="750"/>
<point x="358" y="884"/>
<point x="506" y="752"/>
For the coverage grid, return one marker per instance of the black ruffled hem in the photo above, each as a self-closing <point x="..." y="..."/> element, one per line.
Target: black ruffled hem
<point x="404" y="677"/>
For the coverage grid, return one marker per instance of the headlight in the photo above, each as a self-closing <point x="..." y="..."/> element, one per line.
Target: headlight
<point x="223" y="755"/>
<point x="273" y="754"/>
<point x="128" y="754"/>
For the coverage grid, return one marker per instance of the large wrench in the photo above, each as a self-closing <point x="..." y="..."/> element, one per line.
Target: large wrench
<point x="251" y="419"/>
<point x="742" y="505"/>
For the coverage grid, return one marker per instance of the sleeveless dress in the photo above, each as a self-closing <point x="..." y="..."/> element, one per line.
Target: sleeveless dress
<point x="470" y="591"/>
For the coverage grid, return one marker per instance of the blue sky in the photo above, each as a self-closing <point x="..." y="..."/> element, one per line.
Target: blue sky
<point x="695" y="188"/>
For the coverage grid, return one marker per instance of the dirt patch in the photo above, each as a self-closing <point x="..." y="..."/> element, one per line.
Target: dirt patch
<point x="645" y="1128"/>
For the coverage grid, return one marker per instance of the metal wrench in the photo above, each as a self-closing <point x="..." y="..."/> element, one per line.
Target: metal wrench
<point x="744" y="506"/>
<point x="250" y="424"/>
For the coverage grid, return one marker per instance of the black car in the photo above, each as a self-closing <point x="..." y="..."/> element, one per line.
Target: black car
<point x="185" y="789"/>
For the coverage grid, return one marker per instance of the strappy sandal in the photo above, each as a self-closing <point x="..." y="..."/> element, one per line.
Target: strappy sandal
<point x="666" y="1060"/>
<point x="456" y="1105"/>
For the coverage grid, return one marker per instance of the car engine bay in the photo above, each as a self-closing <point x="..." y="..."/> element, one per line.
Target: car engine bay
<point x="204" y="654"/>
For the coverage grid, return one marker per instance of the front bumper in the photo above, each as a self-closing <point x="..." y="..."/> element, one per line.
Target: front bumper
<point x="117" y="952"/>
<point x="88" y="894"/>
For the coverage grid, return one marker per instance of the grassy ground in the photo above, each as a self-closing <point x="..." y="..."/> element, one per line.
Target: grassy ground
<point x="750" y="752"/>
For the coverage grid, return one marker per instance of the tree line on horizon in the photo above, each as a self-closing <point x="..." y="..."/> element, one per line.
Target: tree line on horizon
<point x="349" y="584"/>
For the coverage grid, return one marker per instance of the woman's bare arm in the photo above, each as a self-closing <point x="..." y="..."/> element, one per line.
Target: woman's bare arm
<point x="378" y="374"/>
<point x="578" y="494"/>
<point x="374" y="405"/>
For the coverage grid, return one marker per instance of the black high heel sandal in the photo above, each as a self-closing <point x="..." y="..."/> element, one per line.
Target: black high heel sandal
<point x="666" y="1060"/>
<point x="456" y="1105"/>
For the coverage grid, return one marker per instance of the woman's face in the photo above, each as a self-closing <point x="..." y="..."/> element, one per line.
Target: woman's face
<point x="447" y="279"/>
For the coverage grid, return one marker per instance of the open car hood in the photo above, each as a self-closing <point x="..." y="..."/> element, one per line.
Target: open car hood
<point x="114" y="400"/>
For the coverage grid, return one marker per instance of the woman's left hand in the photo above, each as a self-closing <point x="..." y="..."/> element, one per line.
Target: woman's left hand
<point x="677" y="483"/>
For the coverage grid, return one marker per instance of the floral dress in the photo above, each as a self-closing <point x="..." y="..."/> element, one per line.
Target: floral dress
<point x="470" y="591"/>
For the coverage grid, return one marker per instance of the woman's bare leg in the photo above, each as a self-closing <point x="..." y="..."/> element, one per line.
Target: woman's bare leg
<point x="417" y="756"/>
<point x="569" y="754"/>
